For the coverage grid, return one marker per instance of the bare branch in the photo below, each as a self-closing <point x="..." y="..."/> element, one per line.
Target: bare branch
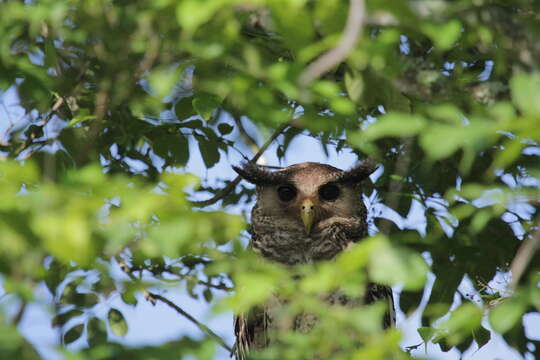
<point x="153" y="298"/>
<point x="235" y="182"/>
<point x="353" y="29"/>
<point x="394" y="190"/>
<point x="160" y="269"/>
<point x="250" y="141"/>
<point x="61" y="100"/>
<point x="20" y="313"/>
<point x="524" y="255"/>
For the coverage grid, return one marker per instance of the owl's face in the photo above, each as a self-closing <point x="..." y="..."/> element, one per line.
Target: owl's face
<point x="307" y="193"/>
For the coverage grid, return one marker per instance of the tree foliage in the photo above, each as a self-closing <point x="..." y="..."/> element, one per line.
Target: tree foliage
<point x="112" y="99"/>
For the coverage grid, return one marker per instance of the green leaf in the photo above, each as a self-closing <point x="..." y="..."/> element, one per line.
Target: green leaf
<point x="526" y="92"/>
<point x="463" y="320"/>
<point x="386" y="95"/>
<point x="458" y="330"/>
<point x="117" y="322"/>
<point x="506" y="315"/>
<point x="66" y="236"/>
<point x="209" y="153"/>
<point x="79" y="119"/>
<point x="128" y="297"/>
<point x="392" y="265"/>
<point x="207" y="294"/>
<point x="56" y="273"/>
<point x="61" y="319"/>
<point x="180" y="150"/>
<point x="508" y="154"/>
<point x="97" y="332"/>
<point x="184" y="108"/>
<point x="481" y="336"/>
<point x="73" y="334"/>
<point x="395" y="125"/>
<point x="162" y="80"/>
<point x="193" y="13"/>
<point x="441" y="141"/>
<point x="443" y="35"/>
<point x="205" y="104"/>
<point x="426" y="333"/>
<point x="354" y="85"/>
<point x="225" y="128"/>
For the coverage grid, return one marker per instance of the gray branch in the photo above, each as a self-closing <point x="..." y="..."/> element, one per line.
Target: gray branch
<point x="353" y="30"/>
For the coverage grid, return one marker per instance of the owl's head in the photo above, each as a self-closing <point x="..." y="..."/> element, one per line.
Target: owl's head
<point x="308" y="192"/>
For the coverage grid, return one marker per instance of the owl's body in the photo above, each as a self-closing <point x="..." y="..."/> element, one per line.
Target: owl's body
<point x="304" y="213"/>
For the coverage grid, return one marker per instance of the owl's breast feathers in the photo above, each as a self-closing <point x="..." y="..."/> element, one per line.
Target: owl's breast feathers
<point x="285" y="241"/>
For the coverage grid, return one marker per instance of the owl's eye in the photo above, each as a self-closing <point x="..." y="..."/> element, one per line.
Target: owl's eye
<point x="286" y="192"/>
<point x="329" y="192"/>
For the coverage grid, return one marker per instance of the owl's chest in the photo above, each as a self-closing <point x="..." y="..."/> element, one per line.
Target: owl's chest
<point x="287" y="243"/>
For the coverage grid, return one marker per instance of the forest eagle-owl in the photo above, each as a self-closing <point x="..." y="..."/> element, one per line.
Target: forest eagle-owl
<point x="304" y="213"/>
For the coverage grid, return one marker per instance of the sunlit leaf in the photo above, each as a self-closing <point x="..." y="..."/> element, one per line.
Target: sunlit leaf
<point x="117" y="322"/>
<point x="205" y="105"/>
<point x="398" y="125"/>
<point x="393" y="265"/>
<point x="526" y="92"/>
<point x="505" y="315"/>
<point x="443" y="35"/>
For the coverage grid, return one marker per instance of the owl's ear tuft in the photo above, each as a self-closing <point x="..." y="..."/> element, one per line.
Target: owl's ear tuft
<point x="358" y="173"/>
<point x="249" y="172"/>
<point x="257" y="175"/>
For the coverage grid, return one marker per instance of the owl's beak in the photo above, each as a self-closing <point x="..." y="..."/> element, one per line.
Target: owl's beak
<point x="307" y="214"/>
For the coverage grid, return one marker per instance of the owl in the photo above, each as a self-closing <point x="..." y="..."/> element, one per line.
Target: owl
<point x="304" y="213"/>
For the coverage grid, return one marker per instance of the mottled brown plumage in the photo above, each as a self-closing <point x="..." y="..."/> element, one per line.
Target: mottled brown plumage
<point x="304" y="213"/>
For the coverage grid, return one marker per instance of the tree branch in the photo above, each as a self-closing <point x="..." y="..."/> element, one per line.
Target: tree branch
<point x="18" y="317"/>
<point x="353" y="29"/>
<point x="153" y="298"/>
<point x="250" y="142"/>
<point x="394" y="190"/>
<point x="220" y="195"/>
<point x="160" y="269"/>
<point x="524" y="255"/>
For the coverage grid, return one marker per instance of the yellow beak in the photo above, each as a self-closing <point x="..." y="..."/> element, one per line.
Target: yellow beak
<point x="307" y="214"/>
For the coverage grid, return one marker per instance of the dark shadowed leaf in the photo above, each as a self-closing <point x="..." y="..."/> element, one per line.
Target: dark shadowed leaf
<point x="225" y="128"/>
<point x="209" y="153"/>
<point x="481" y="336"/>
<point x="73" y="334"/>
<point x="97" y="331"/>
<point x="61" y="319"/>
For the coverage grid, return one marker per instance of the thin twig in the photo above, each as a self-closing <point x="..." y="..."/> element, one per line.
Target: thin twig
<point x="250" y="141"/>
<point x="61" y="100"/>
<point x="158" y="270"/>
<point x="394" y="189"/>
<point x="524" y="255"/>
<point x="153" y="297"/>
<point x="353" y="29"/>
<point x="18" y="317"/>
<point x="220" y="195"/>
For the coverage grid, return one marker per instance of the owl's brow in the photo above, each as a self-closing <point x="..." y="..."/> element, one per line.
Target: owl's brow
<point x="259" y="176"/>
<point x="357" y="173"/>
